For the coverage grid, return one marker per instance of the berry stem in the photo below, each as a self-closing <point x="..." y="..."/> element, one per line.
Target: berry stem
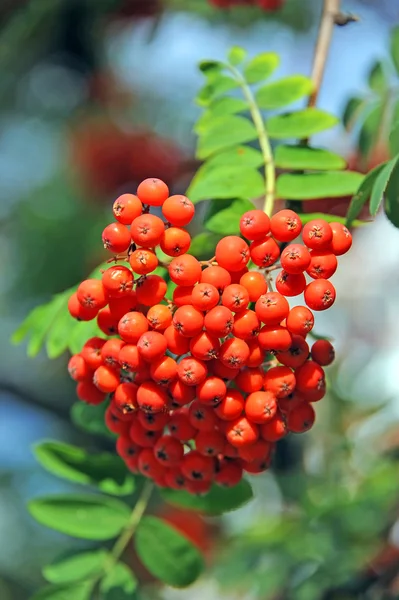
<point x="264" y="142"/>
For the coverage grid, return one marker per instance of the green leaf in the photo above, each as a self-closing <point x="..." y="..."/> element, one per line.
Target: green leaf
<point x="90" y="418"/>
<point x="227" y="221"/>
<point x="75" y="567"/>
<point x="261" y="67"/>
<point x="306" y="158"/>
<point x="283" y="92"/>
<point x="300" y="124"/>
<point x="236" y="55"/>
<point x="380" y="185"/>
<point x="307" y="217"/>
<point x="203" y="245"/>
<point x="309" y="186"/>
<point x="58" y="337"/>
<point x="225" y="132"/>
<point x="370" y="130"/>
<point x="392" y="196"/>
<point x="395" y="48"/>
<point x="226" y="182"/>
<point x="216" y="86"/>
<point x="119" y="583"/>
<point x="81" y="516"/>
<point x="351" y="112"/>
<point x="105" y="471"/>
<point x="394" y="135"/>
<point x="218" y="501"/>
<point x="167" y="554"/>
<point x="239" y="156"/>
<point x="362" y="195"/>
<point x="77" y="591"/>
<point x="81" y="332"/>
<point x="377" y="78"/>
<point x="220" y="107"/>
<point x="208" y="67"/>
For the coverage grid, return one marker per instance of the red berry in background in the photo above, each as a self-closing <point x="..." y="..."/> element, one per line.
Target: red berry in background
<point x="301" y="418"/>
<point x="182" y="295"/>
<point x="274" y="430"/>
<point x="209" y="443"/>
<point x="260" y="450"/>
<point x="180" y="427"/>
<point x="181" y="393"/>
<point x="91" y="352"/>
<point x="285" y="225"/>
<point x="216" y="276"/>
<point x="229" y="474"/>
<point x="270" y="5"/>
<point x="91" y="294"/>
<point x="116" y="238"/>
<point x="78" y="368"/>
<point x="320" y="294"/>
<point x="323" y="353"/>
<point x="168" y="451"/>
<point x="296" y="354"/>
<point x="107" y="322"/>
<point x="290" y="285"/>
<point x="147" y="230"/>
<point x="220" y="370"/>
<point x="126" y="208"/>
<point x="256" y="354"/>
<point x="153" y="192"/>
<point x="341" y="239"/>
<point x="232" y="253"/>
<point x="118" y="307"/>
<point x="272" y="308"/>
<point x="300" y="320"/>
<point x="317" y="234"/>
<point x="255" y="284"/>
<point x="254" y="225"/>
<point x="196" y="467"/>
<point x="178" y="210"/>
<point x="264" y="253"/>
<point x="89" y="393"/>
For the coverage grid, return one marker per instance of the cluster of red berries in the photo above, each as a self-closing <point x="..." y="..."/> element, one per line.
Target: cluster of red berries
<point x="263" y="4"/>
<point x="204" y="384"/>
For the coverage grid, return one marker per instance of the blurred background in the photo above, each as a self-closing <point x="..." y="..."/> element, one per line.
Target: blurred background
<point x="96" y="95"/>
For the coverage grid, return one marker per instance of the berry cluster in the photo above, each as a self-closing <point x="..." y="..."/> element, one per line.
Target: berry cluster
<point x="204" y="384"/>
<point x="268" y="5"/>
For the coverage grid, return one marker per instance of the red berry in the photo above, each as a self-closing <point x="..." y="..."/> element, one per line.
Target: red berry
<point x="117" y="281"/>
<point x="280" y="381"/>
<point x="231" y="406"/>
<point x="204" y="296"/>
<point x="285" y="225"/>
<point x="116" y="238"/>
<point x="147" y="230"/>
<point x="300" y="320"/>
<point x="232" y="253"/>
<point x="323" y="264"/>
<point x="91" y="294"/>
<point x="274" y="338"/>
<point x="188" y="321"/>
<point x="260" y="407"/>
<point x="255" y="284"/>
<point x="191" y="371"/>
<point x="301" y="418"/>
<point x="323" y="352"/>
<point x="275" y="429"/>
<point x="320" y="294"/>
<point x="78" y="368"/>
<point x="80" y="312"/>
<point x="254" y="224"/>
<point x="295" y="259"/>
<point x="126" y="208"/>
<point x="132" y="326"/>
<point x="241" y="432"/>
<point x="264" y="253"/>
<point x="211" y="391"/>
<point x="168" y="451"/>
<point x="341" y="239"/>
<point x="272" y="308"/>
<point x="153" y="192"/>
<point x="185" y="270"/>
<point x="217" y="276"/>
<point x="178" y="210"/>
<point x="317" y="234"/>
<point x="151" y="397"/>
<point x="290" y="285"/>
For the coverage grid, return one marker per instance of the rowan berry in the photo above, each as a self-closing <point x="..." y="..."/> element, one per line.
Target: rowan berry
<point x="132" y="326"/>
<point x="323" y="352"/>
<point x="202" y="417"/>
<point x="285" y="225"/>
<point x="255" y="284"/>
<point x="320" y="294"/>
<point x="118" y="307"/>
<point x="151" y="397"/>
<point x="219" y="321"/>
<point x="254" y="224"/>
<point x="191" y="371"/>
<point x="153" y="421"/>
<point x="341" y="239"/>
<point x="159" y="317"/>
<point x="290" y="402"/>
<point x="241" y="432"/>
<point x="188" y="321"/>
<point x="234" y="353"/>
<point x="185" y="270"/>
<point x="126" y="208"/>
<point x="143" y="261"/>
<point x="91" y="352"/>
<point x="230" y="451"/>
<point x="175" y="241"/>
<point x="309" y="377"/>
<point x="300" y="320"/>
<point x="205" y="346"/>
<point x="148" y="464"/>
<point x="151" y="345"/>
<point x="235" y="297"/>
<point x="236" y="275"/>
<point x="89" y="393"/>
<point x="317" y="234"/>
<point x="272" y="308"/>
<point x="280" y="381"/>
<point x="256" y="354"/>
<point x="264" y="253"/>
<point x="146" y="438"/>
<point x="204" y="296"/>
<point x="80" y="312"/>
<point x="110" y="352"/>
<point x="181" y="393"/>
<point x="78" y="369"/>
<point x="115" y="423"/>
<point x="117" y="281"/>
<point x="274" y="430"/>
<point x="250" y="380"/>
<point x="274" y="338"/>
<point x="177" y="344"/>
<point x="323" y="264"/>
<point x="182" y="295"/>
<point x="125" y="397"/>
<point x="132" y="464"/>
<point x="301" y="418"/>
<point x="257" y="451"/>
<point x="178" y="210"/>
<point x="296" y="354"/>
<point x="260" y="407"/>
<point x="107" y="322"/>
<point x="209" y="443"/>
<point x="232" y="253"/>
<point x="246" y="325"/>
<point x="290" y="285"/>
<point x="295" y="259"/>
<point x="217" y="276"/>
<point x="197" y="467"/>
<point x="168" y="451"/>
<point x="147" y="230"/>
<point x="106" y="379"/>
<point x="163" y="370"/>
<point x="175" y="479"/>
<point x="116" y="238"/>
<point x="151" y="289"/>
<point x="180" y="427"/>
<point x="126" y="448"/>
<point x="91" y="294"/>
<point x="130" y="359"/>
<point x="153" y="192"/>
<point x="220" y="370"/>
<point x="211" y="391"/>
<point x="228" y="474"/>
<point x="256" y="466"/>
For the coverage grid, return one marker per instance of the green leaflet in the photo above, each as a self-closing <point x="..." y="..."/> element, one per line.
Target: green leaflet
<point x="76" y="567"/>
<point x="218" y="501"/>
<point x="226" y="182"/>
<point x="309" y="186"/>
<point x="225" y="132"/>
<point x="283" y="92"/>
<point x="298" y="158"/>
<point x="301" y="124"/>
<point x="261" y="67"/>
